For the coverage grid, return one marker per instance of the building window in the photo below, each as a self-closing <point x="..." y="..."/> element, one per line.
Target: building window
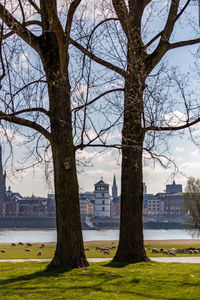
<point x="102" y="194"/>
<point x="103" y="201"/>
<point x="103" y="208"/>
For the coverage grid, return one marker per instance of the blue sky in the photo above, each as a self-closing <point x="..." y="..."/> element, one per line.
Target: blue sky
<point x="107" y="163"/>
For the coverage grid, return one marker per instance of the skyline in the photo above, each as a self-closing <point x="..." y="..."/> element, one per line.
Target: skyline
<point x="105" y="165"/>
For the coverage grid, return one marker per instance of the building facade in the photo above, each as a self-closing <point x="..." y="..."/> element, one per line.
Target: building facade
<point x="101" y="199"/>
<point x="86" y="206"/>
<point x="174" y="188"/>
<point x="165" y="206"/>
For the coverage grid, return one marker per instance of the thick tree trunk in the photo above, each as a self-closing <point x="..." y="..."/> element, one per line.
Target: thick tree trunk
<point x="69" y="248"/>
<point x="131" y="245"/>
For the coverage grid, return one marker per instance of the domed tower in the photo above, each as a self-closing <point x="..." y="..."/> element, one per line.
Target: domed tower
<point x="102" y="199"/>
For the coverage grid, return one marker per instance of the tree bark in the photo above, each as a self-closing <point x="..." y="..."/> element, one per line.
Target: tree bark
<point x="131" y="245"/>
<point x="69" y="249"/>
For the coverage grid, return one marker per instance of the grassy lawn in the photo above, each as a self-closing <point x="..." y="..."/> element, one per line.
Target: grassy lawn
<point x="31" y="280"/>
<point x="18" y="251"/>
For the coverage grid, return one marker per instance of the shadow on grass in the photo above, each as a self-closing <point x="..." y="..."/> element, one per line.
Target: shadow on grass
<point x="122" y="264"/>
<point x="48" y="272"/>
<point x="116" y="264"/>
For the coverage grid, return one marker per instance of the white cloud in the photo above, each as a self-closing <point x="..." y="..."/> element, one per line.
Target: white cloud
<point x="190" y="168"/>
<point x="179" y="149"/>
<point x="4" y="133"/>
<point x="195" y="153"/>
<point x="106" y="164"/>
<point x="175" y="118"/>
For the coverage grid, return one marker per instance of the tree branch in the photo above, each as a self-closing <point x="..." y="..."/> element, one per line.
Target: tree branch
<point x="73" y="6"/>
<point x="160" y="33"/>
<point x="26" y="123"/>
<point x="183" y="43"/>
<point x="173" y="128"/>
<point x="99" y="24"/>
<point x="95" y="99"/>
<point x="163" y="45"/>
<point x="59" y="32"/>
<point x="1" y="57"/>
<point x="26" y="85"/>
<point x="97" y="59"/>
<point x="22" y="11"/>
<point x="38" y="109"/>
<point x="123" y="16"/>
<point x="18" y="28"/>
<point x="27" y="23"/>
<point x="35" y="6"/>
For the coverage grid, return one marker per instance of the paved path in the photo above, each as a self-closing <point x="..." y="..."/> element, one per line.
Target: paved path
<point x="190" y="260"/>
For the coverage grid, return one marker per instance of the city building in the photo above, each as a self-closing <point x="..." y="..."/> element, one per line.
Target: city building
<point x="161" y="207"/>
<point x="102" y="199"/>
<point x="86" y="207"/>
<point x="166" y="206"/>
<point x="173" y="188"/>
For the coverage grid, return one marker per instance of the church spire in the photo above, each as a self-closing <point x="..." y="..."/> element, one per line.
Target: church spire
<point x="1" y="168"/>
<point x="2" y="180"/>
<point x="114" y="188"/>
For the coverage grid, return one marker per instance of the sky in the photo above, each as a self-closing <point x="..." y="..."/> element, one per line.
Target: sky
<point x="107" y="163"/>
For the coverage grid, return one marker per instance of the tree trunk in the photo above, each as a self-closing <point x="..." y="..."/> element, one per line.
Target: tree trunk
<point x="69" y="248"/>
<point x="131" y="245"/>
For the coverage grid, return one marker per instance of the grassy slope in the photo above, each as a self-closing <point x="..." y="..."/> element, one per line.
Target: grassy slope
<point x="100" y="281"/>
<point x="48" y="251"/>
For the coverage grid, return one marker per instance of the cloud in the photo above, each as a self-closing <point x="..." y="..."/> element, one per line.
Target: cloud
<point x="8" y="133"/>
<point x="195" y="153"/>
<point x="190" y="167"/>
<point x="179" y="149"/>
<point x="106" y="164"/>
<point x="175" y="118"/>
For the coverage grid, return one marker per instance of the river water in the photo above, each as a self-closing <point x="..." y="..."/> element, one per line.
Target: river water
<point x="39" y="236"/>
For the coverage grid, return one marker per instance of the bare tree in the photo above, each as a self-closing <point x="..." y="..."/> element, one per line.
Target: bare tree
<point x="192" y="201"/>
<point x="144" y="116"/>
<point x="36" y="27"/>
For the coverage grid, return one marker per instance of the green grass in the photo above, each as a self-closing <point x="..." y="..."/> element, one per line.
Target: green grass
<point x="48" y="251"/>
<point x="31" y="280"/>
<point x="19" y="251"/>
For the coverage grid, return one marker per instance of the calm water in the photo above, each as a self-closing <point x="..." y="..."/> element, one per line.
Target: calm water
<point x="38" y="236"/>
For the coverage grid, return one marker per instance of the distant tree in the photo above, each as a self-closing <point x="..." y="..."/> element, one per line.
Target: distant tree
<point x="192" y="201"/>
<point x="136" y="59"/>
<point x="32" y="32"/>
